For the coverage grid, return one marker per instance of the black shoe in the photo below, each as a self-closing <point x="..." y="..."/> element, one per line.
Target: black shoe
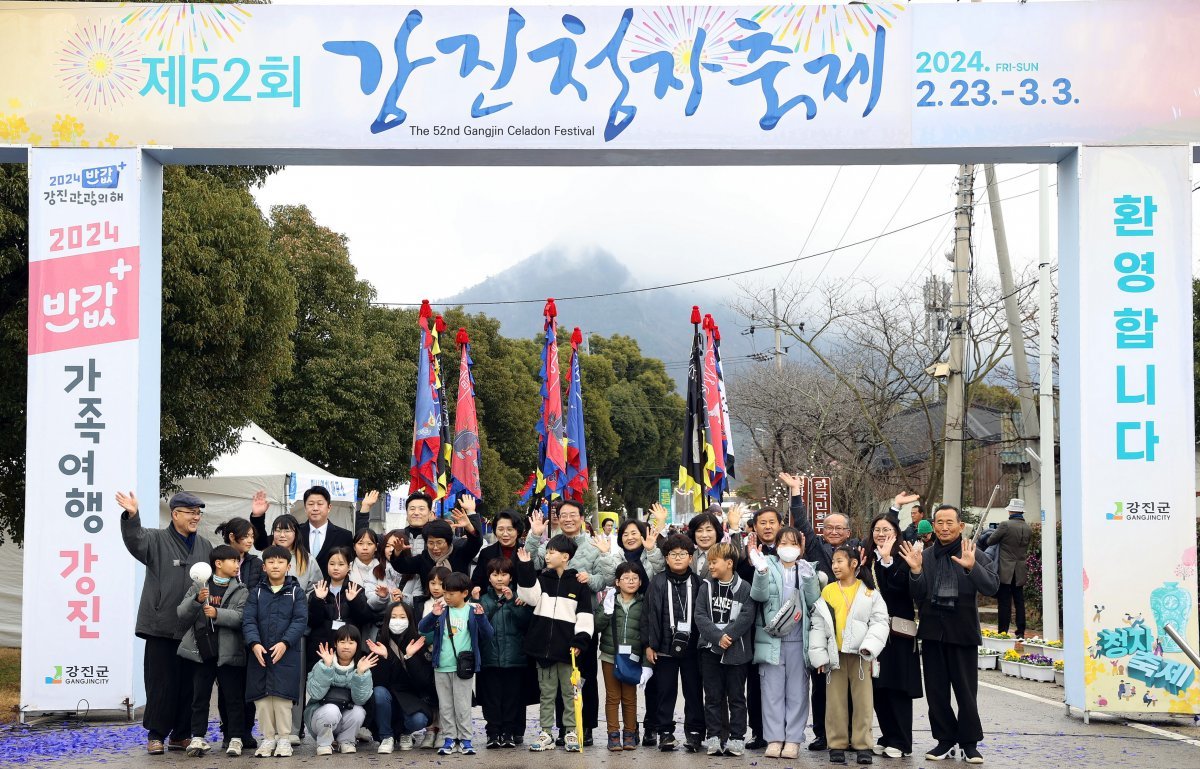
<point x="692" y="742"/>
<point x="562" y="739"/>
<point x="649" y="740"/>
<point x="516" y="739"/>
<point x="758" y="743"/>
<point x="493" y="742"/>
<point x="837" y="756"/>
<point x="666" y="741"/>
<point x="864" y="757"/>
<point x="941" y="751"/>
<point x="818" y="744"/>
<point x="587" y="738"/>
<point x="971" y="754"/>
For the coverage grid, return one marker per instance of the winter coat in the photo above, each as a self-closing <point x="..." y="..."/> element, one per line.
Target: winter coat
<point x="626" y="632"/>
<point x="231" y="649"/>
<point x="816" y="549"/>
<point x="479" y="577"/>
<point x="600" y="567"/>
<point x="323" y="611"/>
<point x="251" y="570"/>
<point x="900" y="662"/>
<point x="741" y="621"/>
<point x="167" y="561"/>
<point x="410" y="681"/>
<point x="767" y="591"/>
<point x="867" y="629"/>
<point x="323" y="677"/>
<point x="1013" y="537"/>
<point x="509" y="624"/>
<point x="462" y="552"/>
<point x="478" y="627"/>
<point x="656" y="628"/>
<point x="267" y="619"/>
<point x="960" y="626"/>
<point x="562" y="612"/>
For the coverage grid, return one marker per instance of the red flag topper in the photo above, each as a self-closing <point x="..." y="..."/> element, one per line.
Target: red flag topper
<point x="716" y="332"/>
<point x="576" y="337"/>
<point x="426" y="310"/>
<point x="439" y="324"/>
<point x="708" y="323"/>
<point x="462" y="337"/>
<point x="550" y="311"/>
<point x="695" y="314"/>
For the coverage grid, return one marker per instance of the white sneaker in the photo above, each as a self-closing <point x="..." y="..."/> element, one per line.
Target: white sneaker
<point x="266" y="749"/>
<point x="347" y="747"/>
<point x="364" y="735"/>
<point x="895" y="753"/>
<point x="735" y="747"/>
<point x="429" y="741"/>
<point x="294" y="740"/>
<point x="572" y="742"/>
<point x="235" y="747"/>
<point x="713" y="746"/>
<point x="544" y="741"/>
<point x="283" y="749"/>
<point x="406" y="741"/>
<point x="324" y="750"/>
<point x="386" y="745"/>
<point x="197" y="747"/>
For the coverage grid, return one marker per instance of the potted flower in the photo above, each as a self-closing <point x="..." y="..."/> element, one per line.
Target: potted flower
<point x="1009" y="662"/>
<point x="1035" y="667"/>
<point x="988" y="658"/>
<point x="1001" y="642"/>
<point x="1038" y="645"/>
<point x="1060" y="675"/>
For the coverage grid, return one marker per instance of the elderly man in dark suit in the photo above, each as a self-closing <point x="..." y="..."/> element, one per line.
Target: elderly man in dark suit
<point x="1012" y="536"/>
<point x="945" y="579"/>
<point x="318" y="535"/>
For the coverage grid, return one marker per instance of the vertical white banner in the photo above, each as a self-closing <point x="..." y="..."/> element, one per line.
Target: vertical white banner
<point x="1128" y="435"/>
<point x="85" y="287"/>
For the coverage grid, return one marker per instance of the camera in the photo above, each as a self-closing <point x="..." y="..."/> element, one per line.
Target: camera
<point x="679" y="643"/>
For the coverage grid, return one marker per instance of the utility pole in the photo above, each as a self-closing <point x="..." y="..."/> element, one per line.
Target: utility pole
<point x="1046" y="394"/>
<point x="1030" y="484"/>
<point x="778" y="331"/>
<point x="955" y="383"/>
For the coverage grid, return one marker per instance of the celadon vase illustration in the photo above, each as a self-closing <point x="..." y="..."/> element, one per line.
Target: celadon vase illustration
<point x="1170" y="604"/>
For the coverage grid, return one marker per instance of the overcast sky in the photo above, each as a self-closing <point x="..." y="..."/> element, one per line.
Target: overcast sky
<point x="430" y="232"/>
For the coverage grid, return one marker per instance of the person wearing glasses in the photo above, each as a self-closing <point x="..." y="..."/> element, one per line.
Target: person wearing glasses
<point x="818" y="549"/>
<point x="168" y="555"/>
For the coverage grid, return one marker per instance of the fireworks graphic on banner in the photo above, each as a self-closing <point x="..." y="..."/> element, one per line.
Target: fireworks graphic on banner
<point x="99" y="66"/>
<point x="186" y="28"/>
<point x="827" y="28"/>
<point x="674" y="30"/>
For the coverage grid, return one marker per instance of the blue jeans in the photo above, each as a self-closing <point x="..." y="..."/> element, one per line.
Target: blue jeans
<point x="383" y="715"/>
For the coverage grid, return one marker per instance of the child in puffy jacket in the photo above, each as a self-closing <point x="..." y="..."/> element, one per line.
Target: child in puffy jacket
<point x="339" y="686"/>
<point x="849" y="629"/>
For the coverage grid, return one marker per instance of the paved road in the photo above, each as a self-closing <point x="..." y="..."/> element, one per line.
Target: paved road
<point x="1028" y="732"/>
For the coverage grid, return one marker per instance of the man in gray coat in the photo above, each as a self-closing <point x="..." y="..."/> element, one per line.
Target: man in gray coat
<point x="168" y="555"/>
<point x="1012" y="536"/>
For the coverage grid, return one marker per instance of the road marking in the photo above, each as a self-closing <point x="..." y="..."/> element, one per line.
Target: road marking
<point x="1131" y="724"/>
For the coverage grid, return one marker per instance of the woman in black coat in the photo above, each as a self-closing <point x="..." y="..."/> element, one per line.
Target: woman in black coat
<point x="509" y="526"/>
<point x="899" y="681"/>
<point x="405" y="697"/>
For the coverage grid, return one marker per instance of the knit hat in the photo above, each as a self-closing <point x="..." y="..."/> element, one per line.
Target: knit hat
<point x="923" y="528"/>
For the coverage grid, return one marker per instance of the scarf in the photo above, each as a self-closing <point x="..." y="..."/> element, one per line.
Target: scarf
<point x="945" y="575"/>
<point x="635" y="555"/>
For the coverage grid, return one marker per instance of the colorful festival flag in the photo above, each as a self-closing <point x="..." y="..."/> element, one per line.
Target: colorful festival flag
<point x="551" y="450"/>
<point x="730" y="472"/>
<point x="445" y="444"/>
<point x="526" y="493"/>
<point x="464" y="464"/>
<point x="714" y="424"/>
<point x="427" y="414"/>
<point x="577" y="464"/>
<point x="691" y="465"/>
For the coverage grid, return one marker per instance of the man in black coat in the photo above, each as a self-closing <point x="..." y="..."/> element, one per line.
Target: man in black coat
<point x="317" y="530"/>
<point x="945" y="581"/>
<point x="168" y="555"/>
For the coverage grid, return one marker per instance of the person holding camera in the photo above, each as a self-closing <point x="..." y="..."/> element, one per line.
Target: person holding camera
<point x="670" y="640"/>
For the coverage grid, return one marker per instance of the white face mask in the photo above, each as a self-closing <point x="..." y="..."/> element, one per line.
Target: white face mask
<point x="788" y="553"/>
<point x="397" y="626"/>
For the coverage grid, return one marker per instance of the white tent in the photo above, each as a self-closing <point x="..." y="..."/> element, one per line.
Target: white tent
<point x="261" y="462"/>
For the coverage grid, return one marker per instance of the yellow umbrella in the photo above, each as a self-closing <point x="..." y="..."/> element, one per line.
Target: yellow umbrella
<point x="577" y="685"/>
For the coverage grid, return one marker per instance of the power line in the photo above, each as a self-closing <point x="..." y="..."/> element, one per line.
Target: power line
<point x="723" y="276"/>
<point x="814" y="224"/>
<point x="850" y="223"/>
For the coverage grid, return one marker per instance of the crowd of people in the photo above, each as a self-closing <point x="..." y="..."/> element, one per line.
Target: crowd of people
<point x="765" y="625"/>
